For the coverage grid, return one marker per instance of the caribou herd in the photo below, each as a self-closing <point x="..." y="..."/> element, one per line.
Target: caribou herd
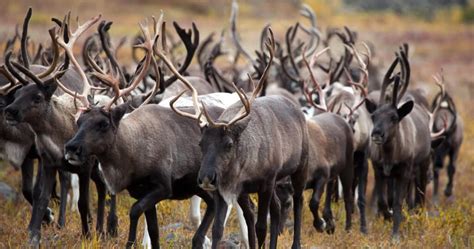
<point x="308" y="111"/>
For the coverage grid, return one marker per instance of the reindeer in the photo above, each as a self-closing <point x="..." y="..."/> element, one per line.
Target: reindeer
<point x="350" y="106"/>
<point x="17" y="148"/>
<point x="18" y="142"/>
<point x="330" y="157"/>
<point x="444" y="110"/>
<point x="241" y="139"/>
<point x="400" y="140"/>
<point x="36" y="105"/>
<point x="151" y="171"/>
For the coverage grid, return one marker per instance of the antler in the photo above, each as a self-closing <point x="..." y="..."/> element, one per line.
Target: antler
<point x="11" y="84"/>
<point x="233" y="28"/>
<point x="68" y="47"/>
<point x="313" y="31"/>
<point x="441" y="97"/>
<point x="24" y="37"/>
<point x="142" y="70"/>
<point x="247" y="102"/>
<point x="440" y="132"/>
<point x="387" y="80"/>
<point x="322" y="101"/>
<point x="105" y="41"/>
<point x="363" y="81"/>
<point x="405" y="70"/>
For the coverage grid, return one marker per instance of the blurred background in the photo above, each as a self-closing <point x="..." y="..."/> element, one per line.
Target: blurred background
<point x="440" y="34"/>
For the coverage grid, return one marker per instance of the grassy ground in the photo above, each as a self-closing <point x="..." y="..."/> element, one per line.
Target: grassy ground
<point x="434" y="45"/>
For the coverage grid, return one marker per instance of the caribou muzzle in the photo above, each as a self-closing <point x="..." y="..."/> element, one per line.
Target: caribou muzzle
<point x="378" y="137"/>
<point x="72" y="154"/>
<point x="207" y="181"/>
<point x="12" y="116"/>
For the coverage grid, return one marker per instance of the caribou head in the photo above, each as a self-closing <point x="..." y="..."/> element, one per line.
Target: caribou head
<point x="387" y="115"/>
<point x="98" y="125"/>
<point x="33" y="100"/>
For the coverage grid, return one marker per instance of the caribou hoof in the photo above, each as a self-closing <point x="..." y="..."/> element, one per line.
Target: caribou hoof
<point x="448" y="192"/>
<point x="387" y="215"/>
<point x="364" y="230"/>
<point x="112" y="225"/>
<point x="396" y="238"/>
<point x="48" y="216"/>
<point x="330" y="227"/>
<point x="207" y="243"/>
<point x="35" y="239"/>
<point x="320" y="225"/>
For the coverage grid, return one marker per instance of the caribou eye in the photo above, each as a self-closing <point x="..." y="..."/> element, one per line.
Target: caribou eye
<point x="394" y="118"/>
<point x="37" y="99"/>
<point x="228" y="144"/>
<point x="104" y="125"/>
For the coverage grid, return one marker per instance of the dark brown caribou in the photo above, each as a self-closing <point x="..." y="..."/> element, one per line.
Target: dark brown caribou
<point x="247" y="149"/>
<point x="36" y="105"/>
<point x="444" y="111"/>
<point x="400" y="141"/>
<point x="331" y="148"/>
<point x="152" y="152"/>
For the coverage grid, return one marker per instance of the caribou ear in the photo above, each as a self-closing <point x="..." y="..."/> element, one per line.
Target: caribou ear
<point x="371" y="106"/>
<point x="237" y="128"/>
<point x="118" y="112"/>
<point x="405" y="109"/>
<point x="48" y="88"/>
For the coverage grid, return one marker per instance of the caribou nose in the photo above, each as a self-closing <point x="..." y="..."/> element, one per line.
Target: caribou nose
<point x="377" y="136"/>
<point x="208" y="181"/>
<point x="11" y="113"/>
<point x="72" y="148"/>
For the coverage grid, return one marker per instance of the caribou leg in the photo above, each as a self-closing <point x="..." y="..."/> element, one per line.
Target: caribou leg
<point x="142" y="205"/>
<point x="199" y="236"/>
<point x="83" y="204"/>
<point x="152" y="224"/>
<point x="298" y="180"/>
<point x="400" y="186"/>
<point x="453" y="156"/>
<point x="112" y="220"/>
<point x="101" y="192"/>
<point x="422" y="181"/>
<point x="381" y="188"/>
<point x="65" y="182"/>
<point x="327" y="212"/>
<point x="264" y="199"/>
<point x="49" y="214"/>
<point x="275" y="209"/>
<point x="40" y="206"/>
<point x="362" y="171"/>
<point x="218" y="227"/>
<point x="195" y="211"/>
<point x="244" y="203"/>
<point x="318" y="189"/>
<point x="346" y="179"/>
<point x="27" y="169"/>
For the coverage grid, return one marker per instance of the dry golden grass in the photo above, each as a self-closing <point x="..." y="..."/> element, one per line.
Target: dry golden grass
<point x="434" y="45"/>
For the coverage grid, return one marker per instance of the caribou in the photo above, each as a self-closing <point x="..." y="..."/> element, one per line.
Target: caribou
<point x="400" y="141"/>
<point x="242" y="154"/>
<point x="444" y="111"/>
<point x="36" y="105"/>
<point x="331" y="149"/>
<point x="165" y="170"/>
